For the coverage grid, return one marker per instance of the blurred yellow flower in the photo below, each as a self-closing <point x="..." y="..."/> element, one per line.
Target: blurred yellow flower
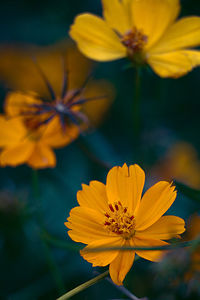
<point x="21" y="142"/>
<point x="116" y="215"/>
<point x="19" y="72"/>
<point x="43" y="116"/>
<point x="181" y="163"/>
<point x="146" y="31"/>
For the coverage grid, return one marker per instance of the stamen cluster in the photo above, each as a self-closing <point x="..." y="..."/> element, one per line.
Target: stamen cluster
<point x="119" y="221"/>
<point x="134" y="40"/>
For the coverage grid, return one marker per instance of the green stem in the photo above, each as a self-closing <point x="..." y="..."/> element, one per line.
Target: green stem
<point x="136" y="104"/>
<point x="48" y="255"/>
<point x="84" y="286"/>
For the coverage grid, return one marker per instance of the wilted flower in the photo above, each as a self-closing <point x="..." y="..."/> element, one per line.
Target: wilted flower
<point x="116" y="215"/>
<point x="146" y="31"/>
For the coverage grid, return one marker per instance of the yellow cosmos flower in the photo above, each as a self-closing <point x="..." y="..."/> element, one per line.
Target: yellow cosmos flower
<point x="19" y="73"/>
<point x="144" y="30"/>
<point x="116" y="215"/>
<point x="21" y="143"/>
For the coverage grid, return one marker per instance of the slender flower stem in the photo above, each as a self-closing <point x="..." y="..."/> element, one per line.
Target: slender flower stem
<point x="84" y="286"/>
<point x="48" y="255"/>
<point x="136" y="104"/>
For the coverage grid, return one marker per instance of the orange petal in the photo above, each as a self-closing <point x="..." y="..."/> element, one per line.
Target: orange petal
<point x="96" y="39"/>
<point x="185" y="33"/>
<point x="125" y="185"/>
<point x="16" y="155"/>
<point x="93" y="196"/>
<point x="86" y="225"/>
<point x="154" y="17"/>
<point x="18" y="103"/>
<point x="174" y="64"/>
<point x="121" y="265"/>
<point x="102" y="258"/>
<point x="153" y="255"/>
<point x="155" y="202"/>
<point x="42" y="157"/>
<point x="54" y="136"/>
<point x="12" y="132"/>
<point x="118" y="15"/>
<point x="165" y="228"/>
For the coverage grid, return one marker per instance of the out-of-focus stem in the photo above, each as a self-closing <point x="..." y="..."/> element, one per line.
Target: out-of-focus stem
<point x="48" y="255"/>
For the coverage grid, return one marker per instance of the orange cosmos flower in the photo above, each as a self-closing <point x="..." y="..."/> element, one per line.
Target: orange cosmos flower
<point x="21" y="142"/>
<point x="146" y="31"/>
<point x="116" y="215"/>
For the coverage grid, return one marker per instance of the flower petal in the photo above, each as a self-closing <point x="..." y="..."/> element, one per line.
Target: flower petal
<point x="155" y="202"/>
<point x="165" y="228"/>
<point x="54" y="136"/>
<point x="102" y="258"/>
<point x="12" y="132"/>
<point x="174" y="64"/>
<point x="86" y="225"/>
<point x="117" y="14"/>
<point x="16" y="155"/>
<point x="125" y="185"/>
<point x="185" y="33"/>
<point x="42" y="157"/>
<point x="96" y="39"/>
<point x="153" y="255"/>
<point x="121" y="265"/>
<point x="154" y="17"/>
<point x="93" y="196"/>
<point x="18" y="103"/>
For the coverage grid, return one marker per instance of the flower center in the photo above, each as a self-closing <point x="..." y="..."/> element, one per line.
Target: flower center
<point x="134" y="40"/>
<point x="119" y="221"/>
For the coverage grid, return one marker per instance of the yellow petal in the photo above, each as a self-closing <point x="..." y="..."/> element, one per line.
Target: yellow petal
<point x="121" y="265"/>
<point x="155" y="202"/>
<point x="102" y="258"/>
<point x="185" y="33"/>
<point x="16" y="155"/>
<point x="117" y="14"/>
<point x="55" y="136"/>
<point x="42" y="157"/>
<point x="154" y="16"/>
<point x="12" y="132"/>
<point x="125" y="185"/>
<point x="86" y="225"/>
<point x="165" y="228"/>
<point x="96" y="39"/>
<point x="18" y="103"/>
<point x="93" y="196"/>
<point x="174" y="64"/>
<point x="149" y="255"/>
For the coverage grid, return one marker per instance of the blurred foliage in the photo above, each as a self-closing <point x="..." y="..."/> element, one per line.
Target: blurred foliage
<point x="170" y="114"/>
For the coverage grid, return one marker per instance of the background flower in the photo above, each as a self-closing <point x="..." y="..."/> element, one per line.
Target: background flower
<point x="146" y="31"/>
